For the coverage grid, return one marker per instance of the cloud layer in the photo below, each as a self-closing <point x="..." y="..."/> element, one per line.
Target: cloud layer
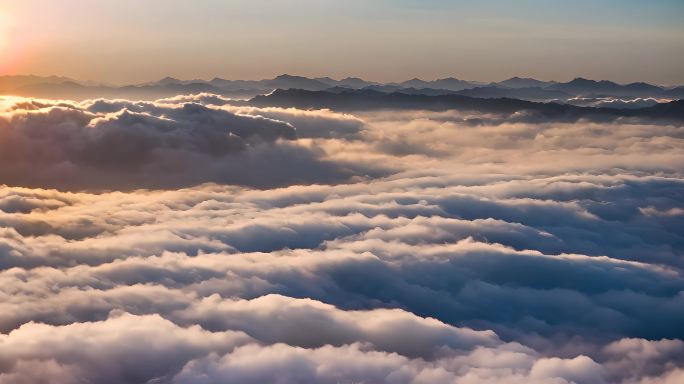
<point x="401" y="247"/>
<point x="115" y="144"/>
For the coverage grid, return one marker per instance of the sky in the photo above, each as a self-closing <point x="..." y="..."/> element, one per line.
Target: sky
<point x="127" y="41"/>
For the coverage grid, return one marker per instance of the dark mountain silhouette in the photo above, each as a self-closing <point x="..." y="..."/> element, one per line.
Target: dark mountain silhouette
<point x="585" y="87"/>
<point x="409" y="91"/>
<point x="236" y="84"/>
<point x="528" y="93"/>
<point x="523" y="82"/>
<point x="675" y="93"/>
<point x="349" y="82"/>
<point x="487" y="92"/>
<point x="168" y="80"/>
<point x="370" y="100"/>
<point x="516" y="88"/>
<point x="289" y="81"/>
<point x="453" y="84"/>
<point x="415" y="83"/>
<point x="355" y="82"/>
<point x="449" y="83"/>
<point x="282" y="81"/>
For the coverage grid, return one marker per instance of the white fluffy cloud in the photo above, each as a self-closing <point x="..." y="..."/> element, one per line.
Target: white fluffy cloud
<point x="121" y="144"/>
<point x="123" y="348"/>
<point x="507" y="252"/>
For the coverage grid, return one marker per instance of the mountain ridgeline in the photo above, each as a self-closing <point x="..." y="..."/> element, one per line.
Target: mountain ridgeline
<point x="580" y="92"/>
<point x="508" y="108"/>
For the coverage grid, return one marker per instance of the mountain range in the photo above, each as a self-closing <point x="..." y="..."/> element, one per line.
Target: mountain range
<point x="364" y="99"/>
<point x="579" y="91"/>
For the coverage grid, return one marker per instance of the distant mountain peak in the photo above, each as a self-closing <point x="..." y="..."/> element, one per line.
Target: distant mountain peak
<point x="518" y="87"/>
<point x="518" y="78"/>
<point x="286" y="76"/>
<point x="414" y="82"/>
<point x="169" y="80"/>
<point x="522" y="82"/>
<point x="451" y="79"/>
<point x="578" y="80"/>
<point x="584" y="81"/>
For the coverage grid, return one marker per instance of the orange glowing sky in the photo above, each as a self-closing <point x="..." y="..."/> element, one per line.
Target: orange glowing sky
<point x="131" y="40"/>
<point x="4" y="41"/>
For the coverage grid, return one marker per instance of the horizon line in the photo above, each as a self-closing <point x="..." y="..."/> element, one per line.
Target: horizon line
<point x="311" y="77"/>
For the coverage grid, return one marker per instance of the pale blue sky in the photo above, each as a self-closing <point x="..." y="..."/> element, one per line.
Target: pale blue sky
<point x="138" y="40"/>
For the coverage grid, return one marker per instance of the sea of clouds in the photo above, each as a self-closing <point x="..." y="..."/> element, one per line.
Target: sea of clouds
<point x="193" y="240"/>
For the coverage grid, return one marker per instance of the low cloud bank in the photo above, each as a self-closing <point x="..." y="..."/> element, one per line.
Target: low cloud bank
<point x="478" y="252"/>
<point x="119" y="144"/>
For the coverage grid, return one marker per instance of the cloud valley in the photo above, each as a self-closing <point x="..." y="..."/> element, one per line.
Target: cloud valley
<point x="197" y="240"/>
